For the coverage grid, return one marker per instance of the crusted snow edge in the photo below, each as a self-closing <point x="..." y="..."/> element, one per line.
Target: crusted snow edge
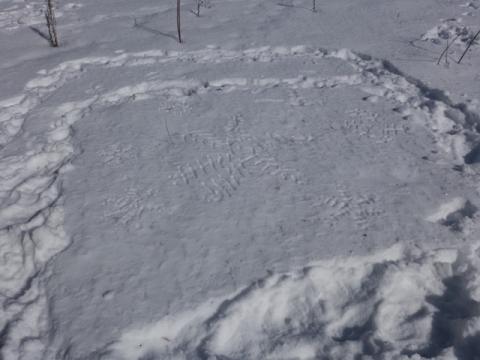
<point x="401" y="303"/>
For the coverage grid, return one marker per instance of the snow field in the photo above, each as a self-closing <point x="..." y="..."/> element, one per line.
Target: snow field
<point x="20" y="14"/>
<point x="31" y="213"/>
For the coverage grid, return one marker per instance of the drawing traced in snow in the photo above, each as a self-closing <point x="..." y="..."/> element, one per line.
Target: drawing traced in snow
<point x="31" y="217"/>
<point x="373" y="126"/>
<point x="230" y="160"/>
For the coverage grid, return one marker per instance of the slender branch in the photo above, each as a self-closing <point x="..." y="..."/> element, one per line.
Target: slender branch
<point x="51" y="23"/>
<point x="178" y="23"/>
<point x="470" y="43"/>
<point x="445" y="51"/>
<point x="198" y="8"/>
<point x="446" y="54"/>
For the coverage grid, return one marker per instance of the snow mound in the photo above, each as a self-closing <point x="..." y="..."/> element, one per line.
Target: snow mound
<point x="453" y="213"/>
<point x="455" y="33"/>
<point x="398" y="304"/>
<point x="452" y="30"/>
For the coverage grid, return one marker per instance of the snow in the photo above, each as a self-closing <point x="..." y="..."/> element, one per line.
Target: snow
<point x="397" y="304"/>
<point x="287" y="184"/>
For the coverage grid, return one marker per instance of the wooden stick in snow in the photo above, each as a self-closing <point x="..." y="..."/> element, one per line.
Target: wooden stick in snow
<point x="178" y="23"/>
<point x="470" y="43"/>
<point x="198" y="8"/>
<point x="445" y="51"/>
<point x="51" y="24"/>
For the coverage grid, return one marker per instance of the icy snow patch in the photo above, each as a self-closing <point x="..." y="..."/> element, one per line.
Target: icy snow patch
<point x="402" y="303"/>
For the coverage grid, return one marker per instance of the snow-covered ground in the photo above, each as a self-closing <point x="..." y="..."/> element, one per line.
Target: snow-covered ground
<point x="285" y="184"/>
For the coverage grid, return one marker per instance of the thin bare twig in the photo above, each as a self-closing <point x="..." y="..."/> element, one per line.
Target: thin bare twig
<point x="51" y="24"/>
<point x="178" y="23"/>
<point x="445" y="51"/>
<point x="470" y="43"/>
<point x="198" y="7"/>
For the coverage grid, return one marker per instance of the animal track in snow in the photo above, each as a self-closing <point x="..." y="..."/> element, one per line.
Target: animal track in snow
<point x="128" y="207"/>
<point x="117" y="154"/>
<point x="228" y="162"/>
<point x="357" y="208"/>
<point x="364" y="123"/>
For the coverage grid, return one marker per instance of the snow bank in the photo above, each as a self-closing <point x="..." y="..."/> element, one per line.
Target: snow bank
<point x="454" y="33"/>
<point x="453" y="213"/>
<point x="450" y="29"/>
<point x="403" y="303"/>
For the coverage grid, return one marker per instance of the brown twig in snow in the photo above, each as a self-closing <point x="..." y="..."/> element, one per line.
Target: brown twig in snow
<point x="51" y="24"/>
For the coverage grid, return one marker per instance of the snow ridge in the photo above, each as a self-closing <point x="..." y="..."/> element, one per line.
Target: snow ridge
<point x="454" y="126"/>
<point x="398" y="304"/>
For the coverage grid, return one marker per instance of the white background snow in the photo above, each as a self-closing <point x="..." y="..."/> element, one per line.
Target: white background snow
<point x="285" y="184"/>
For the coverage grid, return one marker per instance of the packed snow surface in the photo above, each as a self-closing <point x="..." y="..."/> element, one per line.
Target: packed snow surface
<point x="272" y="196"/>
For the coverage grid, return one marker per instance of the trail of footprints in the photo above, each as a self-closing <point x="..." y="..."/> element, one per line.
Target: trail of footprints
<point x="116" y="154"/>
<point x="343" y="205"/>
<point x="125" y="208"/>
<point x="227" y="162"/>
<point x="220" y="172"/>
<point x="368" y="124"/>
